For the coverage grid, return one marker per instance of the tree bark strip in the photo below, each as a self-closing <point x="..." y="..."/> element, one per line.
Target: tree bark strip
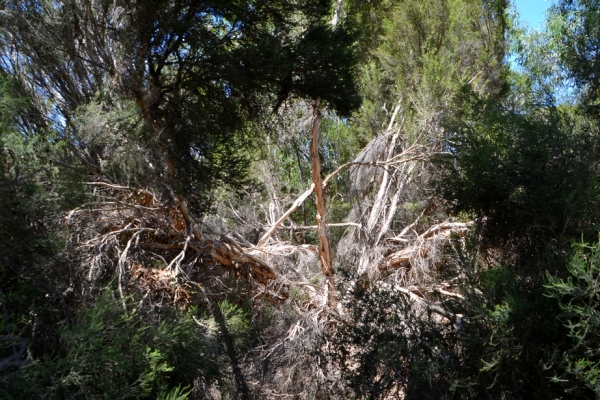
<point x="325" y="247"/>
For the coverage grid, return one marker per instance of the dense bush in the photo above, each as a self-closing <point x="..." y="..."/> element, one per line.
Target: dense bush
<point x="112" y="353"/>
<point x="579" y="300"/>
<point x="497" y="341"/>
<point x="530" y="178"/>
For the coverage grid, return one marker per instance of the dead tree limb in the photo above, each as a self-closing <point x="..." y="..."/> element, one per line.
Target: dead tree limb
<point x="123" y="260"/>
<point x="420" y="248"/>
<point x="285" y="216"/>
<point x="333" y="225"/>
<point x="300" y="200"/>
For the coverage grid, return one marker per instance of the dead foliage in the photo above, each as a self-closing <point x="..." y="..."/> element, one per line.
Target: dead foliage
<point x="154" y="248"/>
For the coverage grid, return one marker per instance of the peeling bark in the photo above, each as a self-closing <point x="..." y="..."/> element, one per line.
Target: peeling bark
<point x="325" y="247"/>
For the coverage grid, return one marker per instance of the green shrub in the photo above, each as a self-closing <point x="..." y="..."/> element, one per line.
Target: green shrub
<point x="579" y="297"/>
<point x="529" y="177"/>
<point x="114" y="354"/>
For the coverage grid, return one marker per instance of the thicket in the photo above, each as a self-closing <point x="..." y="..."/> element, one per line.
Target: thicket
<point x="160" y="236"/>
<point x="524" y="168"/>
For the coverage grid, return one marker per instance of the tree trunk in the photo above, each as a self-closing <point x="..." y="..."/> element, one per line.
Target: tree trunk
<point x="325" y="247"/>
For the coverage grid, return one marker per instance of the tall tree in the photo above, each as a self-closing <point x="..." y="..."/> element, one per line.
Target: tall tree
<point x="170" y="94"/>
<point x="199" y="72"/>
<point x="575" y="30"/>
<point x="419" y="53"/>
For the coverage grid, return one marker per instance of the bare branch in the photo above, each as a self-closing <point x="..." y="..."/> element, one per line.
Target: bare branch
<point x="285" y="216"/>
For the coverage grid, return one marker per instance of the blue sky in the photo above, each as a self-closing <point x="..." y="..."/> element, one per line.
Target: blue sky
<point x="532" y="11"/>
